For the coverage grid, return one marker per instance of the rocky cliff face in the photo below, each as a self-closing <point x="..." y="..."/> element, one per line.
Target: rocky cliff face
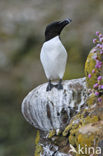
<point x="72" y="116"/>
<point x="54" y="109"/>
<point x="70" y="121"/>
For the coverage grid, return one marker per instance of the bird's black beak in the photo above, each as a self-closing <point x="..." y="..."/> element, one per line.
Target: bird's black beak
<point x="64" y="23"/>
<point x="68" y="20"/>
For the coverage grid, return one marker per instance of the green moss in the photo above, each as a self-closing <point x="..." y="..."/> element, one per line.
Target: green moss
<point x="67" y="129"/>
<point x="51" y="133"/>
<point x="84" y="139"/>
<point x="72" y="140"/>
<point x="88" y="120"/>
<point x="38" y="147"/>
<point x="37" y="137"/>
<point x="73" y="131"/>
<point x="72" y="125"/>
<point x="92" y="99"/>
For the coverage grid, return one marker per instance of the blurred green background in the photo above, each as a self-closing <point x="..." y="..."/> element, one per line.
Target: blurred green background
<point x="22" y="26"/>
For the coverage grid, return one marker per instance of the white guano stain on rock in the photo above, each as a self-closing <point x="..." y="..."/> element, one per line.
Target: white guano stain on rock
<point x="53" y="109"/>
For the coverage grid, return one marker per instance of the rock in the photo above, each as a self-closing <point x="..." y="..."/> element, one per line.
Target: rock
<point x="94" y="70"/>
<point x="50" y="147"/>
<point x="54" y="109"/>
<point x="88" y="131"/>
<point x="85" y="130"/>
<point x="90" y="67"/>
<point x="48" y="152"/>
<point x="94" y="65"/>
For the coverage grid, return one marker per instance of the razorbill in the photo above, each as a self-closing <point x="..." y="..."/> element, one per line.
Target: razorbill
<point x="53" y="55"/>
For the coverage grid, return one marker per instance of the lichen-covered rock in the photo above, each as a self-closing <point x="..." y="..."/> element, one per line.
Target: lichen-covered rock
<point x="54" y="146"/>
<point x="91" y="77"/>
<point x="94" y="65"/>
<point x="92" y="99"/>
<point x="84" y="130"/>
<point x="54" y="109"/>
<point x="94" y="69"/>
<point x="38" y="147"/>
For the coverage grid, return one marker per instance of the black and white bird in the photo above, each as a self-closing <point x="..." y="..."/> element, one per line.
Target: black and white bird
<point x="53" y="55"/>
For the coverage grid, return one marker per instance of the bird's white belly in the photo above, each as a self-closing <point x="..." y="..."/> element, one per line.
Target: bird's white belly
<point x="53" y="58"/>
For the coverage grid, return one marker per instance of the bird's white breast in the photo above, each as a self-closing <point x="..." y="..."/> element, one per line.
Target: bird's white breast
<point x="53" y="57"/>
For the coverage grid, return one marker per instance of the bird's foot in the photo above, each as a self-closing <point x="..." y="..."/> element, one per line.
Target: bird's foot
<point x="49" y="86"/>
<point x="59" y="86"/>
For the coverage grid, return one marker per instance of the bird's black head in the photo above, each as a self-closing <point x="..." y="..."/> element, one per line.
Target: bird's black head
<point x="54" y="29"/>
